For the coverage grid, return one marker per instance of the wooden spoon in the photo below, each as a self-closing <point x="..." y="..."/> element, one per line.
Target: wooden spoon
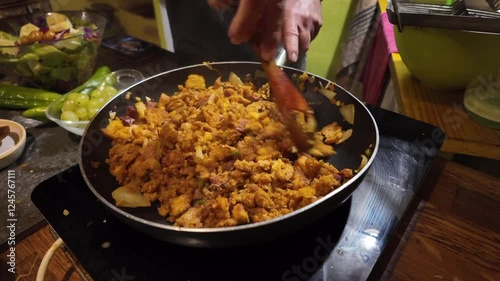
<point x="296" y="113"/>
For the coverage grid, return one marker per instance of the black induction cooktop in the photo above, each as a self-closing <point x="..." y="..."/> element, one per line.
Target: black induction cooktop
<point x="343" y="245"/>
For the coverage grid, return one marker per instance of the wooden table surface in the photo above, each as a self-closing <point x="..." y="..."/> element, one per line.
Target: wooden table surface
<point x="451" y="232"/>
<point x="444" y="110"/>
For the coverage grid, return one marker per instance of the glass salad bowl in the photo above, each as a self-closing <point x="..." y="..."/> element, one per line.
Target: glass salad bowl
<point x="74" y="110"/>
<point x="56" y="51"/>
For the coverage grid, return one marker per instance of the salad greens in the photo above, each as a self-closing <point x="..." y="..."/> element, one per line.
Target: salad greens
<point x="57" y="54"/>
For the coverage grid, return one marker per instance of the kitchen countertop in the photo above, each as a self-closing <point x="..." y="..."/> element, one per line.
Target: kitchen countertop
<point x="50" y="149"/>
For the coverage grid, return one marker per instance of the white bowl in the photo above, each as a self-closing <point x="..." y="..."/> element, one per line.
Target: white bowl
<point x="12" y="146"/>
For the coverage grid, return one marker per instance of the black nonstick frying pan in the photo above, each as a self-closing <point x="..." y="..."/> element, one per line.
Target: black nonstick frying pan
<point x="94" y="149"/>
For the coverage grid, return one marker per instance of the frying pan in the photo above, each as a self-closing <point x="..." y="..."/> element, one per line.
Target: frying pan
<point x="94" y="147"/>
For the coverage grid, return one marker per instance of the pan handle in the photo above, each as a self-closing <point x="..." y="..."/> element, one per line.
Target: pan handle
<point x="281" y="56"/>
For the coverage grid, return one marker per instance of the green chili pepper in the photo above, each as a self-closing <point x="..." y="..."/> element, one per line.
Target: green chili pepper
<point x="37" y="113"/>
<point x="94" y="81"/>
<point x="17" y="97"/>
<point x="22" y="103"/>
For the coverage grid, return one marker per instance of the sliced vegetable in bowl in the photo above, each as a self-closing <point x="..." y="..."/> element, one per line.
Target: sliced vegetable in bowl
<point x="75" y="109"/>
<point x="53" y="51"/>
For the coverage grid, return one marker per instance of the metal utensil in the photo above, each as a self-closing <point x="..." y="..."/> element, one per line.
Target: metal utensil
<point x="461" y="15"/>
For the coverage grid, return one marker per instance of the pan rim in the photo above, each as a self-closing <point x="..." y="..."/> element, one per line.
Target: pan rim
<point x="166" y="226"/>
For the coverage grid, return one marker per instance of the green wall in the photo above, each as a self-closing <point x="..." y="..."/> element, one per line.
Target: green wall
<point x="324" y="55"/>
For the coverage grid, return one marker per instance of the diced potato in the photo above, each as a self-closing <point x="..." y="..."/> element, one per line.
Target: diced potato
<point x="332" y="133"/>
<point x="195" y="82"/>
<point x="129" y="196"/>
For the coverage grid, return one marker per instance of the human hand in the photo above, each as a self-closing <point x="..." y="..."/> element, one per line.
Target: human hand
<point x="302" y="20"/>
<point x="267" y="22"/>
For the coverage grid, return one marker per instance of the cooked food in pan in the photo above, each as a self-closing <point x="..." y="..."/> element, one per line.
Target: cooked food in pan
<point x="217" y="156"/>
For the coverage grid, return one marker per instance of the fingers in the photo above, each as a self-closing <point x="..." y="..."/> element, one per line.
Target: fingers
<point x="246" y="21"/>
<point x="297" y="37"/>
<point x="317" y="19"/>
<point x="266" y="22"/>
<point x="305" y="38"/>
<point x="302" y="21"/>
<point x="291" y="35"/>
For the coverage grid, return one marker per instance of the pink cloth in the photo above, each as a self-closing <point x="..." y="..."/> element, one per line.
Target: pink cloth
<point x="388" y="33"/>
<point x="376" y="68"/>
